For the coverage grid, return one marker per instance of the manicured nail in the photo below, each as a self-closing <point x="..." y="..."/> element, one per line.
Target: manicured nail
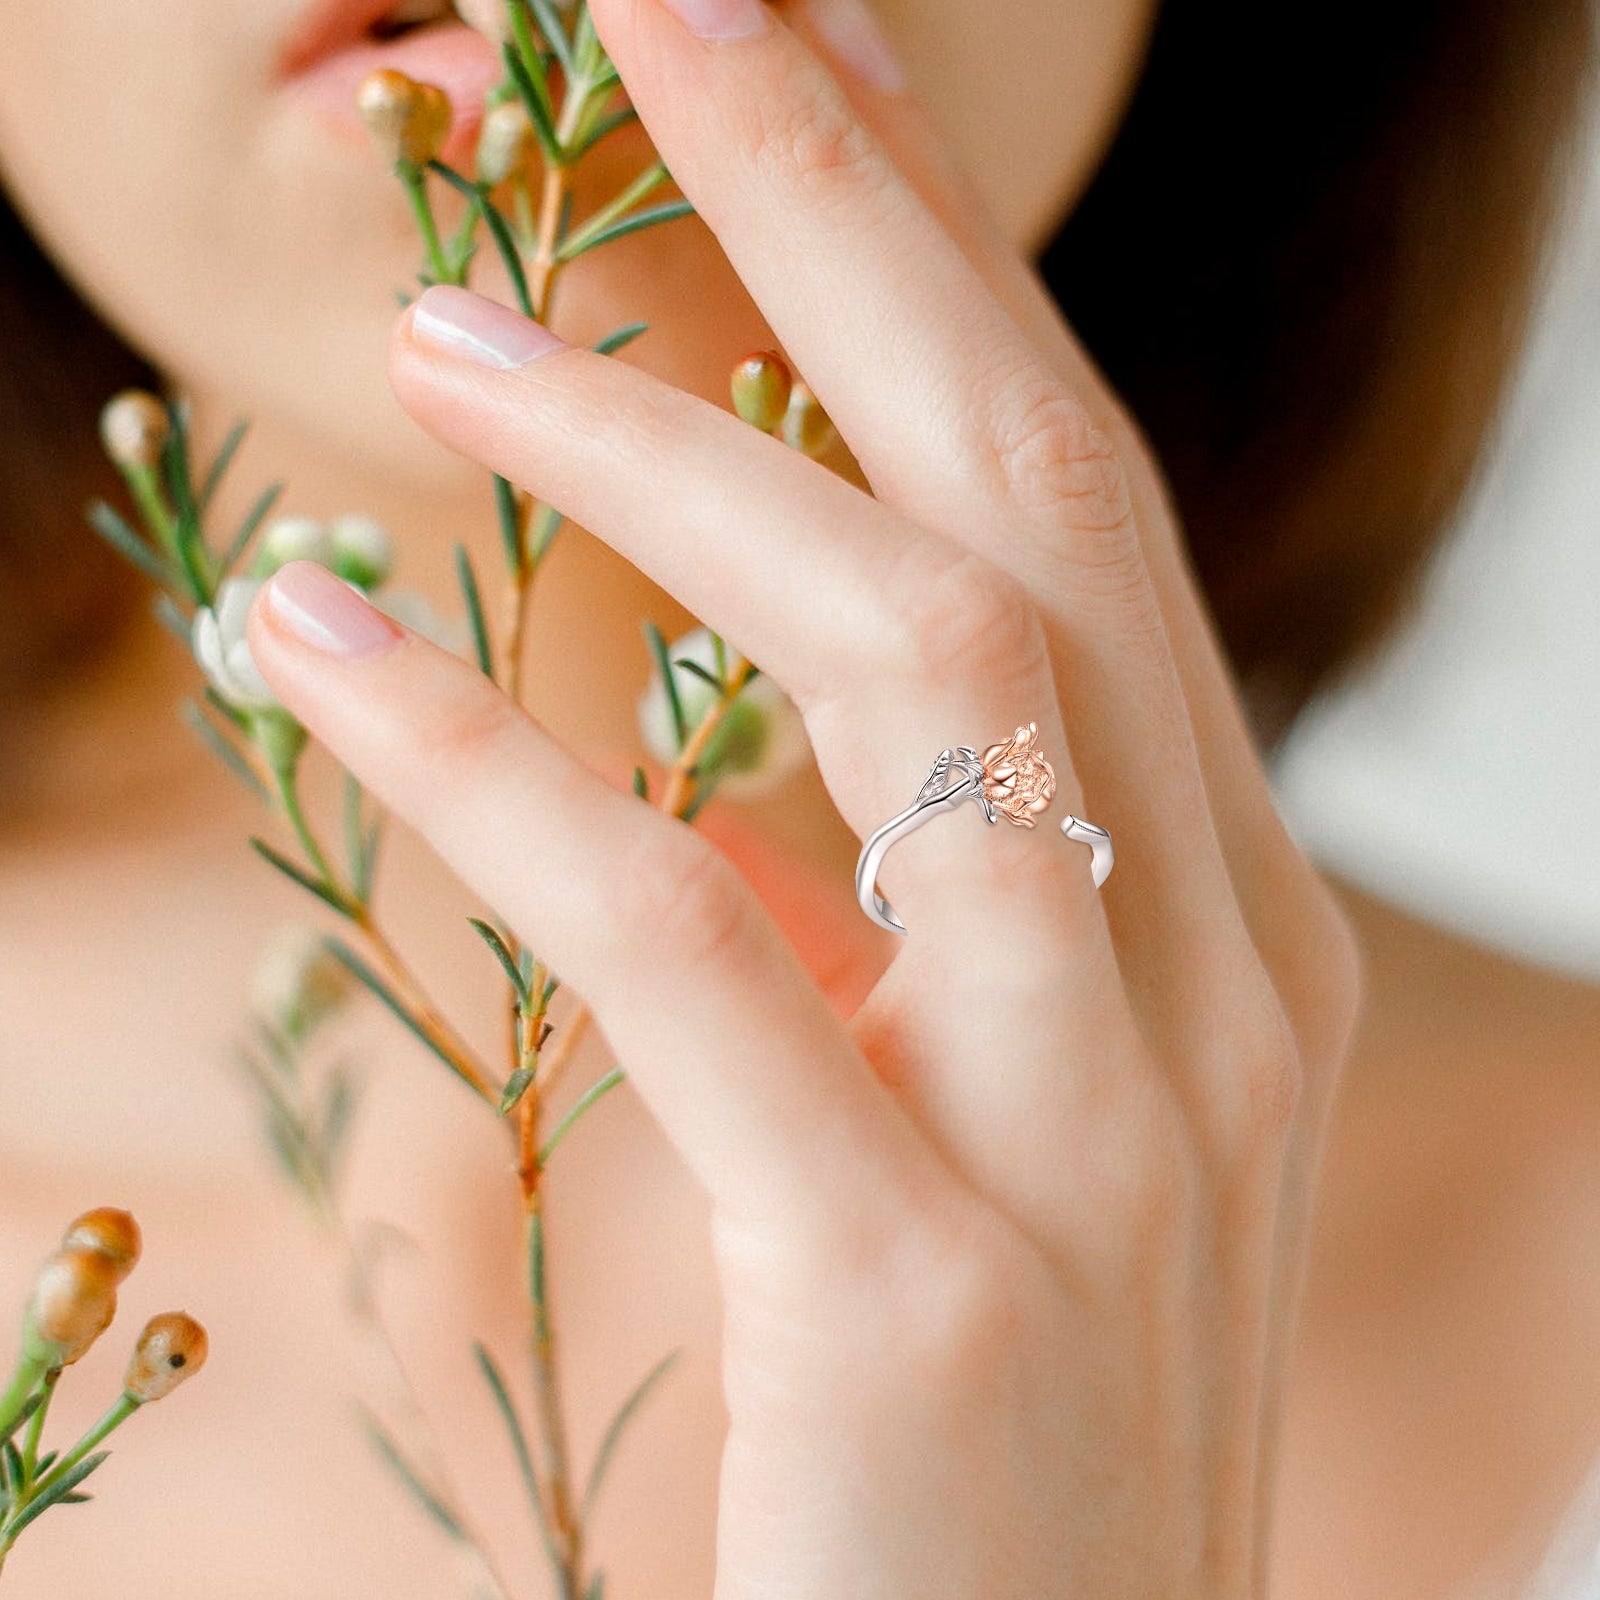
<point x="853" y="37"/>
<point x="320" y="609"/>
<point x="477" y="329"/>
<point x="721" y="19"/>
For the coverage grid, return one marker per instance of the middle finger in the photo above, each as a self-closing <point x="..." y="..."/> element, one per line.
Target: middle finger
<point x="893" y="642"/>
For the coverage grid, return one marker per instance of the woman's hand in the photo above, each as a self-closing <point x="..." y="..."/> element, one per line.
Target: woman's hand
<point x="1010" y="1259"/>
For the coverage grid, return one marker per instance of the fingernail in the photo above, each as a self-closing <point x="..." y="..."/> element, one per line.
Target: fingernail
<point x="721" y="19"/>
<point x="468" y="325"/>
<point x="853" y="37"/>
<point x="320" y="609"/>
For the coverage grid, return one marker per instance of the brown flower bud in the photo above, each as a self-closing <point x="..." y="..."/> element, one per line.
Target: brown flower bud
<point x="505" y="142"/>
<point x="806" y="426"/>
<point x="172" y="1348"/>
<point x="408" y="120"/>
<point x="431" y="126"/>
<point x="387" y="101"/>
<point x="113" y="1233"/>
<point x="74" y="1300"/>
<point x="761" y="387"/>
<point x="133" y="428"/>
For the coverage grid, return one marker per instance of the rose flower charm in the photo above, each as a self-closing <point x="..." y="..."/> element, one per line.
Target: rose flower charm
<point x="1018" y="780"/>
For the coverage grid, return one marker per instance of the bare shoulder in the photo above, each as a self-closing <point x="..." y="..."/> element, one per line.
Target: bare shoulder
<point x="1445" y="1402"/>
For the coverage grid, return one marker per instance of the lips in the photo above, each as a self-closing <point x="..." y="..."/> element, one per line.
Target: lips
<point x="338" y="42"/>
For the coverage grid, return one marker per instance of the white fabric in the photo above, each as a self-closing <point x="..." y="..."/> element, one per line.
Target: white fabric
<point x="1571" y="1566"/>
<point x="1459" y="776"/>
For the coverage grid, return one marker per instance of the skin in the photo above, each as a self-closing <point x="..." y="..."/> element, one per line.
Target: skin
<point x="1207" y="1147"/>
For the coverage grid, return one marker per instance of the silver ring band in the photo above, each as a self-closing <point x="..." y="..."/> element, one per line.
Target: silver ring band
<point x="1011" y="779"/>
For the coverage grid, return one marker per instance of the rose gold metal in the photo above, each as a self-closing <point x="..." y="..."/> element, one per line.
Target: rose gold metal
<point x="1018" y="781"/>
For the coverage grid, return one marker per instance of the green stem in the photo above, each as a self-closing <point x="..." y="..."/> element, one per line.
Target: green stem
<point x="24" y="1381"/>
<point x="289" y="794"/>
<point x="522" y="211"/>
<point x="568" y="1532"/>
<point x="123" y="1408"/>
<point x="145" y="484"/>
<point x="415" y="181"/>
<point x="30" y="1440"/>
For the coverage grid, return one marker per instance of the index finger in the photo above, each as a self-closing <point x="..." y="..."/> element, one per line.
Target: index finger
<point x="736" y="1052"/>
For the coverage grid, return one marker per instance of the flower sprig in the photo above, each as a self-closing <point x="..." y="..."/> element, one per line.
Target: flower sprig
<point x="74" y="1301"/>
<point x="708" y="717"/>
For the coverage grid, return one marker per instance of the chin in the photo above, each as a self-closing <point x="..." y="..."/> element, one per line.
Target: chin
<point x="201" y="174"/>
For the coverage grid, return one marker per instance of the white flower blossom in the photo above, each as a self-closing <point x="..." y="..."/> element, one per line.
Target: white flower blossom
<point x="414" y="611"/>
<point x="287" y="539"/>
<point x="220" y="646"/>
<point x="761" y="742"/>
<point x="360" y="549"/>
<point x="296" y="983"/>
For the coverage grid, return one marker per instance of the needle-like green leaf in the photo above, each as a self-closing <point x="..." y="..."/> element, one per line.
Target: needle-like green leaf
<point x="516" y="1087"/>
<point x="504" y="956"/>
<point x="115" y="531"/>
<point x="606" y="125"/>
<point x="505" y="505"/>
<point x="473" y="599"/>
<point x="701" y="673"/>
<point x="411" y="1479"/>
<point x="658" y="647"/>
<point x="225" y="750"/>
<point x="613" y="1434"/>
<point x="325" y="893"/>
<point x="253" y="519"/>
<point x="554" y="31"/>
<point x="593" y="1093"/>
<point x="582" y="243"/>
<point x="57" y="1491"/>
<point x="621" y="339"/>
<point x="535" y="97"/>
<point x="347" y="958"/>
<point x="219" y="467"/>
<point x="519" y="1442"/>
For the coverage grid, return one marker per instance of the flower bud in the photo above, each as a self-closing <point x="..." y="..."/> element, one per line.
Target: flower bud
<point x="430" y="128"/>
<point x="74" y="1300"/>
<point x="806" y="426"/>
<point x="505" y="142"/>
<point x="297" y="983"/>
<point x="278" y="736"/>
<point x="361" y="551"/>
<point x="757" y="746"/>
<point x="761" y="386"/>
<point x="287" y="539"/>
<point x="488" y="17"/>
<point x="408" y="120"/>
<point x="134" y="427"/>
<point x="172" y="1348"/>
<point x="113" y="1233"/>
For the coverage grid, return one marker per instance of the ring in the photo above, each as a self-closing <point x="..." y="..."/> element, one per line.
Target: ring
<point x="1011" y="780"/>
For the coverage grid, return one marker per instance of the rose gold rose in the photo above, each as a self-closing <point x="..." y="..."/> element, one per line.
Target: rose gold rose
<point x="1018" y="781"/>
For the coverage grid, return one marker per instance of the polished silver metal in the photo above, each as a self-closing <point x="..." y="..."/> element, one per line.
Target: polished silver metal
<point x="956" y="776"/>
<point x="1099" y="843"/>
